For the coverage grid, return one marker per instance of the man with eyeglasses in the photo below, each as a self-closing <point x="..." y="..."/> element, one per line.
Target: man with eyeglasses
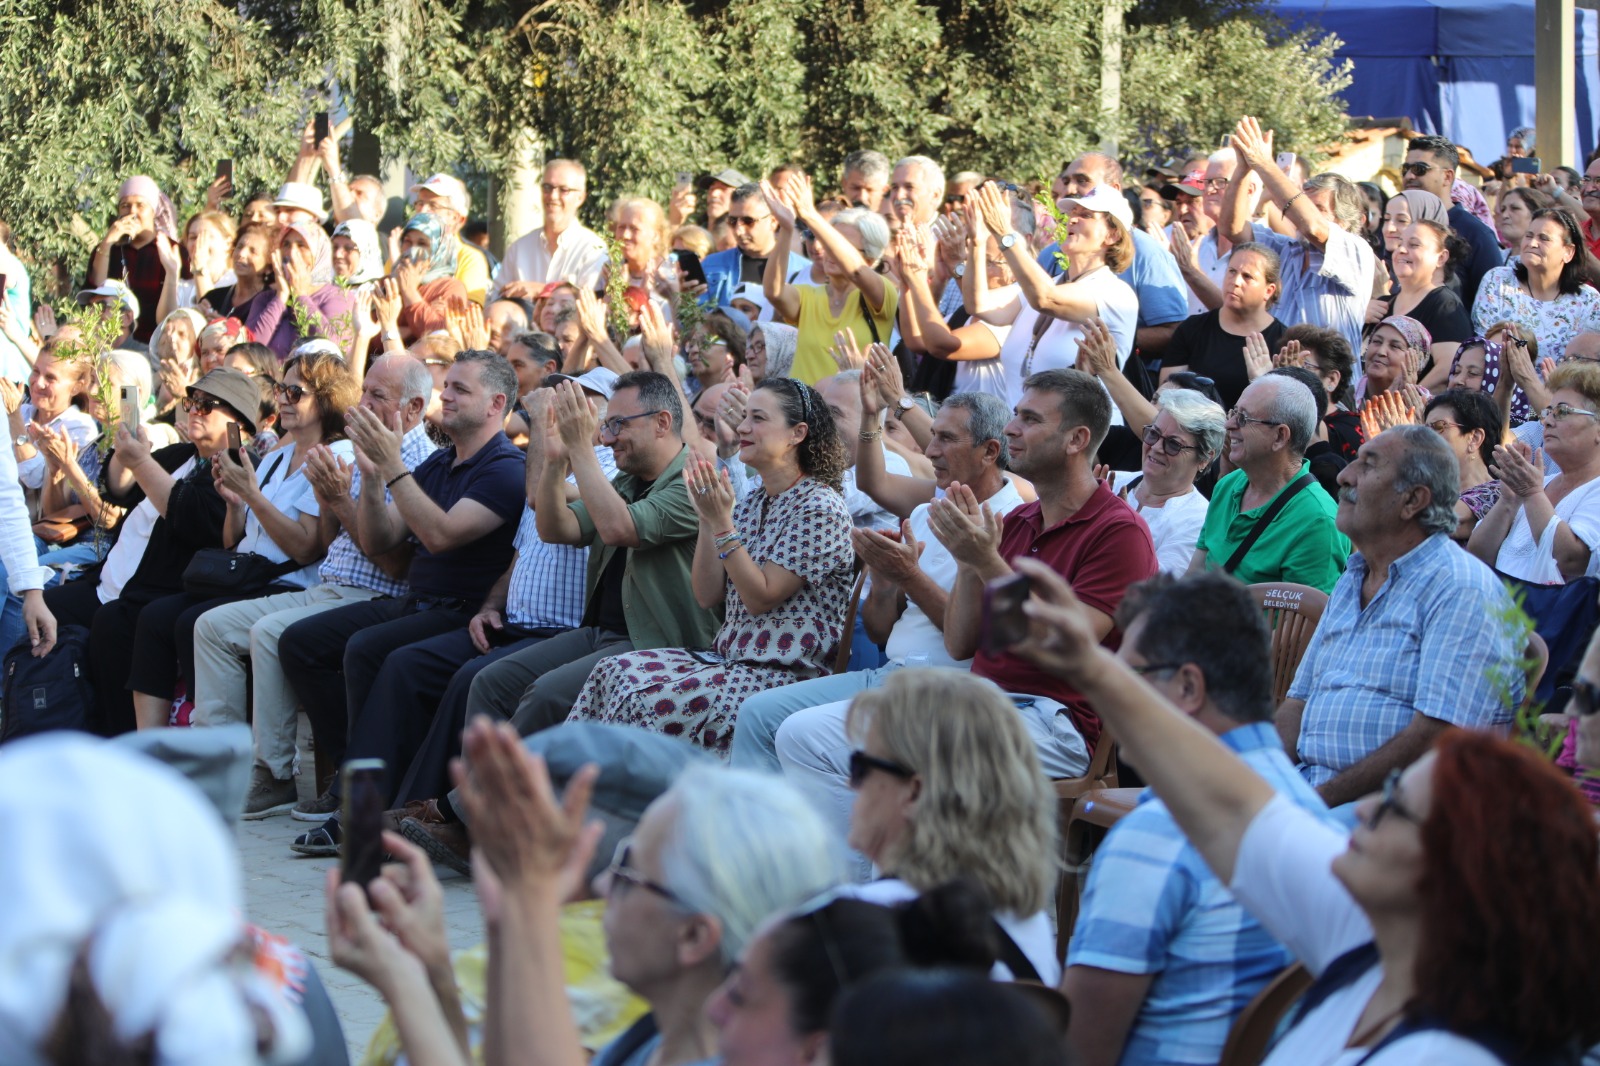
<point x="1269" y="520"/>
<point x="1415" y="637"/>
<point x="562" y="249"/>
<point x="1430" y="165"/>
<point x="755" y="237"/>
<point x="1203" y="258"/>
<point x="1589" y="193"/>
<point x="1162" y="959"/>
<point x="1163" y="301"/>
<point x="640" y="530"/>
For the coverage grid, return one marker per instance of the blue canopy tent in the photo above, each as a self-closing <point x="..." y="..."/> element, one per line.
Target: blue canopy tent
<point x="1463" y="68"/>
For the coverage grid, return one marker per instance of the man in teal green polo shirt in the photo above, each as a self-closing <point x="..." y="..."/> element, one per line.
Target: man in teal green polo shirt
<point x="1271" y="489"/>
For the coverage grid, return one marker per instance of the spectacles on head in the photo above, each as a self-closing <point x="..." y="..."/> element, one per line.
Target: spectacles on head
<point x="204" y="405"/>
<point x="1171" y="445"/>
<point x="862" y="765"/>
<point x="292" y="393"/>
<point x="1389" y="803"/>
<point x="621" y="873"/>
<point x="612" y="427"/>
<point x="1439" y="425"/>
<point x="1416" y="170"/>
<point x="1556" y="412"/>
<point x="1238" y="415"/>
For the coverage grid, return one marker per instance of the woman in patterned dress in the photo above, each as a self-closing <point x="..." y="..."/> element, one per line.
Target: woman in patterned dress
<point x="779" y="561"/>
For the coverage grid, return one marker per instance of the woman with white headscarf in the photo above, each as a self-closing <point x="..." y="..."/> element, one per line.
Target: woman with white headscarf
<point x="769" y="352"/>
<point x="426" y="273"/>
<point x="129" y="250"/>
<point x="302" y="268"/>
<point x="357" y="256"/>
<point x="121" y="939"/>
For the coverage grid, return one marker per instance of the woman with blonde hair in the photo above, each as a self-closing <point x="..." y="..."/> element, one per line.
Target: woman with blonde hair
<point x="947" y="784"/>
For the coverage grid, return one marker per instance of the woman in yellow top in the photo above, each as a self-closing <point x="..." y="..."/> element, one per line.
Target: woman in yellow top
<point x="856" y="297"/>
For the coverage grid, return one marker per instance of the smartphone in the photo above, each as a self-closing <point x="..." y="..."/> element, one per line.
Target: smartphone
<point x="361" y="818"/>
<point x="1004" y="624"/>
<point x="689" y="263"/>
<point x="319" y="127"/>
<point x="225" y="169"/>
<point x="130" y="407"/>
<point x="1285" y="162"/>
<point x="235" y="445"/>
<point x="684" y="178"/>
<point x="1528" y="164"/>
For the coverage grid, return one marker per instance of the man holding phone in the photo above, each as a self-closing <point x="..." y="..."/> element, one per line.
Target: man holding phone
<point x="755" y="238"/>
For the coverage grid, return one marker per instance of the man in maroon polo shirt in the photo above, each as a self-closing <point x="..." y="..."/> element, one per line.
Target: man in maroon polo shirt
<point x="1077" y="527"/>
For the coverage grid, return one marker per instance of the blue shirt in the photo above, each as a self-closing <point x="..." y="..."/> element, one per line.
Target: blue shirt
<point x="1433" y="640"/>
<point x="1163" y="297"/>
<point x="344" y="563"/>
<point x="1152" y="906"/>
<point x="1330" y="288"/>
<point x="724" y="268"/>
<point x="548" y="580"/>
<point x="493" y="478"/>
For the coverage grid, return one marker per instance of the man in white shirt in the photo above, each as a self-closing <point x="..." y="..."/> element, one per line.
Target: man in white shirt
<point x="560" y="250"/>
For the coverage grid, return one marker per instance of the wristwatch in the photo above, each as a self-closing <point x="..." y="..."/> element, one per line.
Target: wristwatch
<point x="1008" y="240"/>
<point x="902" y="405"/>
<point x="960" y="271"/>
<point x="1585" y="697"/>
<point x="22" y="439"/>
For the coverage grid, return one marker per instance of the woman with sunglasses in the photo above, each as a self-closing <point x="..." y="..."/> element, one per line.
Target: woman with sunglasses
<point x="271" y="512"/>
<point x="1544" y="529"/>
<point x="778" y="564"/>
<point x="1545" y="291"/>
<point x="1420" y="924"/>
<point x="174" y="510"/>
<point x="1178" y="446"/>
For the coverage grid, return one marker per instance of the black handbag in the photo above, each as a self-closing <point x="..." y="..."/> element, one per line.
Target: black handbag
<point x="217" y="572"/>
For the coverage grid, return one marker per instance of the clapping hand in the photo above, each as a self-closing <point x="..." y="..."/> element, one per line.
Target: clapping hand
<point x="375" y="442"/>
<point x="655" y="334"/>
<point x="1519" y="468"/>
<point x="1253" y="145"/>
<point x="1384" y="411"/>
<point x="710" y="492"/>
<point x="1183" y="249"/>
<point x="894" y="560"/>
<point x="970" y="531"/>
<point x="59" y="449"/>
<point x="331" y="477"/>
<point x="169" y="254"/>
<point x="1291" y="354"/>
<point x="846" y="352"/>
<point x="10" y="395"/>
<point x="575" y="417"/>
<point x="994" y="207"/>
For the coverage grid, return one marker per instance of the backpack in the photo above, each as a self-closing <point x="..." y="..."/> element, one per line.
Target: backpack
<point x="49" y="693"/>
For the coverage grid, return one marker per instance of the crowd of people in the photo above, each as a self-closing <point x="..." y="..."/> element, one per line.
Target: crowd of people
<point x="755" y="569"/>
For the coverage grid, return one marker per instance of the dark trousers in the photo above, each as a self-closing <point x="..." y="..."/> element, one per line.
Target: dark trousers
<point x="560" y="664"/>
<point x="332" y="659"/>
<point x="163" y="642"/>
<point x="111" y="627"/>
<point x="410" y="688"/>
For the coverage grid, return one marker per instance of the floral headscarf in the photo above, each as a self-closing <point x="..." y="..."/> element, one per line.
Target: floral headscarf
<point x="1491" y="361"/>
<point x="321" y="250"/>
<point x="442" y="260"/>
<point x="365" y="236"/>
<point x="1416" y="335"/>
<point x="1469" y="197"/>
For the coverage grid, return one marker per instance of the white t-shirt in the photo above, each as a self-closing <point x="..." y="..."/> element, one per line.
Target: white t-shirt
<point x="1213" y="264"/>
<point x="123" y="559"/>
<point x="1174" y="526"/>
<point x="914" y="633"/>
<point x="1115" y="303"/>
<point x="865" y="512"/>
<point x="1520" y="555"/>
<point x="1034" y="936"/>
<point x="1283" y="877"/>
<point x="988" y="375"/>
<point x="292" y="494"/>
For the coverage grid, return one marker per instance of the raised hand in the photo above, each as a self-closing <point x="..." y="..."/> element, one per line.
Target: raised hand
<point x="1097" y="349"/>
<point x="1519" y="468"/>
<point x="10" y="395"/>
<point x="378" y="443"/>
<point x="1061" y="635"/>
<point x="1253" y="146"/>
<point x="387" y="305"/>
<point x="776" y="204"/>
<point x="846" y="352"/>
<point x="655" y="333"/>
<point x="710" y="492"/>
<point x="170" y="255"/>
<point x="1183" y="249"/>
<point x="994" y="207"/>
<point x="1291" y="354"/>
<point x="575" y="417"/>
<point x="1257" y="358"/>
<point x="219" y="190"/>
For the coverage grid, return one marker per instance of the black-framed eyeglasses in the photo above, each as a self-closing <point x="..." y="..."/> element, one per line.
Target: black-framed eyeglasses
<point x="613" y="426"/>
<point x="1171" y="445"/>
<point x="862" y="765"/>
<point x="1416" y="170"/>
<point x="1238" y="415"/>
<point x="621" y="873"/>
<point x="1389" y="803"/>
<point x="292" y="393"/>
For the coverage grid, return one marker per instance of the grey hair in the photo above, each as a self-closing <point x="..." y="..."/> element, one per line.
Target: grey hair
<point x="932" y="172"/>
<point x="1291" y="404"/>
<point x="874" y="230"/>
<point x="416" y="383"/>
<point x="1427" y="460"/>
<point x="1527" y="134"/>
<point x="1225" y="156"/>
<point x="134" y="370"/>
<point x="867" y="163"/>
<point x="744" y="846"/>
<point x="1198" y="415"/>
<point x="987" y="416"/>
<point x="1349" y="205"/>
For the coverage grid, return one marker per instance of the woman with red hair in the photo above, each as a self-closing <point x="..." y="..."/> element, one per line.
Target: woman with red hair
<point x="1458" y="923"/>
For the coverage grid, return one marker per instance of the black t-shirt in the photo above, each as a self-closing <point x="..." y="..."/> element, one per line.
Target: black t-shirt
<point x="1442" y="314"/>
<point x="605" y="606"/>
<point x="751" y="269"/>
<point x="1201" y="344"/>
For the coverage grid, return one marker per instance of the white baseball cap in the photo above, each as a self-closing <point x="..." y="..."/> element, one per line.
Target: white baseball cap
<point x="451" y="189"/>
<point x="1105" y="200"/>
<point x="114" y="289"/>
<point x="300" y="195"/>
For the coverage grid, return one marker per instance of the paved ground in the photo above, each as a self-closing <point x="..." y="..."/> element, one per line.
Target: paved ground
<point x="284" y="894"/>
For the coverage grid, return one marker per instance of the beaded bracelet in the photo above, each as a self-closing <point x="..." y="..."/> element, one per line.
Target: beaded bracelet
<point x="723" y="555"/>
<point x="723" y="539"/>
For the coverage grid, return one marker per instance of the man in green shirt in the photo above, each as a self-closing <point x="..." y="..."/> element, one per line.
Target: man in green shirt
<point x="1272" y="488"/>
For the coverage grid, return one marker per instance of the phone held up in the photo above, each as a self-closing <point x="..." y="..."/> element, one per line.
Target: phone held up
<point x="1004" y="622"/>
<point x="1527" y="164"/>
<point x="319" y="127"/>
<point x="225" y="169"/>
<point x="128" y="398"/>
<point x="361" y="818"/>
<point x="235" y="444"/>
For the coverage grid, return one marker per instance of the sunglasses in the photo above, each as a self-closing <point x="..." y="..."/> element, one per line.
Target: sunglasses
<point x="621" y="873"/>
<point x="862" y="765"/>
<point x="1416" y="170"/>
<point x="746" y="220"/>
<point x="292" y="393"/>
<point x="1389" y="803"/>
<point x="203" y="406"/>
<point x="1171" y="445"/>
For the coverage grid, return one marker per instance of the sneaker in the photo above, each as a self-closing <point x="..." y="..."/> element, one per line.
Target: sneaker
<point x="317" y="810"/>
<point x="446" y="843"/>
<point x="268" y="795"/>
<point x="323" y="840"/>
<point x="423" y="810"/>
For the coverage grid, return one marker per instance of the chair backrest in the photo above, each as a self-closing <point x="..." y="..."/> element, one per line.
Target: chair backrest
<point x="1538" y="660"/>
<point x="1102" y="772"/>
<point x="1253" y="1030"/>
<point x="841" y="660"/>
<point x="1293" y="612"/>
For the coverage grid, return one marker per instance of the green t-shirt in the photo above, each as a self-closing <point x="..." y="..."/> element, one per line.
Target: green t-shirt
<point x="1301" y="545"/>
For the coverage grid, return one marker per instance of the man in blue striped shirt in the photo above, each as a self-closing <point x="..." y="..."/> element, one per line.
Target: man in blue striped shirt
<point x="1162" y="958"/>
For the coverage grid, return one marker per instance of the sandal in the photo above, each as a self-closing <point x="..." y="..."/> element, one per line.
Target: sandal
<point x="323" y="840"/>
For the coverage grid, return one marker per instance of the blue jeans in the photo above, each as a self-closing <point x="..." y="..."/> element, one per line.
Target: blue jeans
<point x="83" y="553"/>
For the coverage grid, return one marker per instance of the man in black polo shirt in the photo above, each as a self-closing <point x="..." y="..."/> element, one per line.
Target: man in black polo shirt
<point x="459" y="509"/>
